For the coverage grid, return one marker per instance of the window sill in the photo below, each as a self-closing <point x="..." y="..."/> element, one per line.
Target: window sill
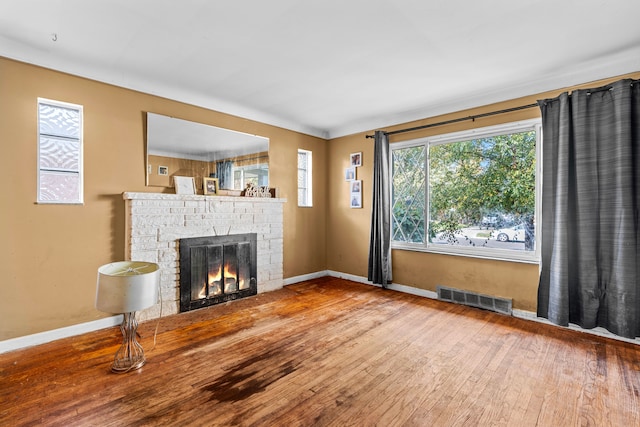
<point x="58" y="202"/>
<point x="490" y="254"/>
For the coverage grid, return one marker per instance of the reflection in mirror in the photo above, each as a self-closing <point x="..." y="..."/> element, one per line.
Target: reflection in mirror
<point x="177" y="147"/>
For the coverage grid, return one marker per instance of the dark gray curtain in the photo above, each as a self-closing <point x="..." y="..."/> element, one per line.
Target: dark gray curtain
<point x="380" y="238"/>
<point x="590" y="208"/>
<point x="224" y="171"/>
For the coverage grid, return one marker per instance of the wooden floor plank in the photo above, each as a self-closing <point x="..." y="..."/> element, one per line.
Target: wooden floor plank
<point x="329" y="352"/>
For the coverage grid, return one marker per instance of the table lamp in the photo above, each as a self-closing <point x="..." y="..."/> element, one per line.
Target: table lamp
<point x="126" y="287"/>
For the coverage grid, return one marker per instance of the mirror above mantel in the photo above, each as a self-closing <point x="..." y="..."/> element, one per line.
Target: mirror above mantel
<point x="177" y="147"/>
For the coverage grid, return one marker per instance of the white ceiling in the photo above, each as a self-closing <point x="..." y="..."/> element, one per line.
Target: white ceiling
<point x="329" y="67"/>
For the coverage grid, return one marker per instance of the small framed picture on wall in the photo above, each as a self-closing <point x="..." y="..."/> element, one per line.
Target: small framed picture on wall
<point x="163" y="170"/>
<point x="355" y="193"/>
<point x="356" y="200"/>
<point x="356" y="159"/>
<point x="350" y="174"/>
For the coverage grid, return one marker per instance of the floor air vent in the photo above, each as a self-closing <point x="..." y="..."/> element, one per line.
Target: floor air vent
<point x="500" y="305"/>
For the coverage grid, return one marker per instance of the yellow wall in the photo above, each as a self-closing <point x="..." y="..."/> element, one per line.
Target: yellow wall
<point x="50" y="253"/>
<point x="348" y="241"/>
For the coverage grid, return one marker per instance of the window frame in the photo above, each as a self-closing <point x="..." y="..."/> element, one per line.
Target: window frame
<point x="242" y="170"/>
<point x="79" y="108"/>
<point x="308" y="203"/>
<point x="469" y="251"/>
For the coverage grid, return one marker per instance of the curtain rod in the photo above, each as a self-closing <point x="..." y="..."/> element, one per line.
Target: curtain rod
<point x="461" y="119"/>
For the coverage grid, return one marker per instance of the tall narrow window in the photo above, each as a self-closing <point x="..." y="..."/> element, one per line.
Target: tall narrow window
<point x="59" y="152"/>
<point x="305" y="197"/>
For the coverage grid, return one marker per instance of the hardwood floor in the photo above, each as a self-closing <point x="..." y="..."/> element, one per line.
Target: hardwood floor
<point x="330" y="352"/>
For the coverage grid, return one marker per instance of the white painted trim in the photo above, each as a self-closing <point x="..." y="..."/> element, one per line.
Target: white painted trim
<point x="393" y="286"/>
<point x="302" y="278"/>
<point x="601" y="332"/>
<point x="524" y="314"/>
<point x="348" y="276"/>
<point x="56" y="334"/>
<point x="413" y="291"/>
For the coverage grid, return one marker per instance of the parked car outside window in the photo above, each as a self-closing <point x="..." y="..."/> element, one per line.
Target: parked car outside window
<point x="510" y="234"/>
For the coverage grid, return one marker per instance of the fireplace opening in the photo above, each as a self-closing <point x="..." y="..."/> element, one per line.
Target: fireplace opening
<point x="216" y="269"/>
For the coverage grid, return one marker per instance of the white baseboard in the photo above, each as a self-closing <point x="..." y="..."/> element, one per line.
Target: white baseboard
<point x="56" y="334"/>
<point x="359" y="279"/>
<point x="413" y="291"/>
<point x="393" y="286"/>
<point x="304" y="277"/>
<point x="348" y="276"/>
<point x="525" y="314"/>
<point x="599" y="331"/>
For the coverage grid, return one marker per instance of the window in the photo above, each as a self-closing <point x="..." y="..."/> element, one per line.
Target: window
<point x="470" y="193"/>
<point x="305" y="197"/>
<point x="59" y="152"/>
<point x="257" y="174"/>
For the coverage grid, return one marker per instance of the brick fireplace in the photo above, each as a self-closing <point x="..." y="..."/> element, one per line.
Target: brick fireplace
<point x="156" y="222"/>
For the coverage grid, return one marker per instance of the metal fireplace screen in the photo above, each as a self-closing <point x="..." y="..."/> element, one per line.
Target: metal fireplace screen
<point x="215" y="269"/>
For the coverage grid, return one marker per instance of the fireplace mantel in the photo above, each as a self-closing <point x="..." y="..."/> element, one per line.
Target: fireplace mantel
<point x="154" y="222"/>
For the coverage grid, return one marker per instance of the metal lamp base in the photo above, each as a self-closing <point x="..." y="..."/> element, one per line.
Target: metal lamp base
<point x="130" y="355"/>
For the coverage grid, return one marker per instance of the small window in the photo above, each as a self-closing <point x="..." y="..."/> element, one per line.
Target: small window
<point x="59" y="152"/>
<point x="305" y="197"/>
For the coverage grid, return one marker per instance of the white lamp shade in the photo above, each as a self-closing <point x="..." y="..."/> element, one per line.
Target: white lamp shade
<point x="127" y="286"/>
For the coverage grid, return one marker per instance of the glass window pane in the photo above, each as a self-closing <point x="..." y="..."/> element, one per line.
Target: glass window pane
<point x="302" y="178"/>
<point x="59" y="187"/>
<point x="60" y="121"/>
<point x="482" y="192"/>
<point x="58" y="153"/>
<point x="408" y="203"/>
<point x="302" y="160"/>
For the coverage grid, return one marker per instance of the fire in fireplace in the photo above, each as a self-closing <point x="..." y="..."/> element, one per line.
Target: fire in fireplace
<point x="215" y="269"/>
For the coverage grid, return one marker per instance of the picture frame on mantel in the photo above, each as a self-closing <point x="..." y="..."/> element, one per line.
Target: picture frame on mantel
<point x="210" y="186"/>
<point x="184" y="185"/>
